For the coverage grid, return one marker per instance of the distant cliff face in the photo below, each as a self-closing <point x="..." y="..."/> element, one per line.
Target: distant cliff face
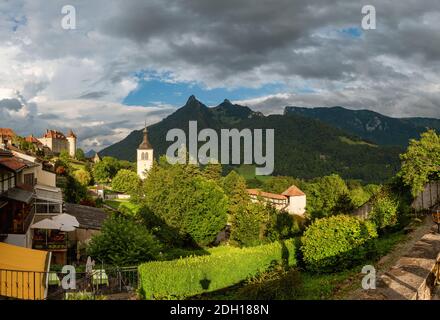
<point x="305" y="147"/>
<point x="369" y="125"/>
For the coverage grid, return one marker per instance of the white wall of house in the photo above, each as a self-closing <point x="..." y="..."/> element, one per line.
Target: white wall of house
<point x="43" y="177"/>
<point x="21" y="240"/>
<point x="297" y="205"/>
<point x="46" y="178"/>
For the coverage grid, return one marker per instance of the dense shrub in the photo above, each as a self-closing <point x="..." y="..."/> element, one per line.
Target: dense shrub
<point x="281" y="225"/>
<point x="192" y="205"/>
<point x="126" y="181"/>
<point x="123" y="242"/>
<point x="337" y="242"/>
<point x="247" y="225"/>
<point x="224" y="267"/>
<point x="385" y="211"/>
<point x="83" y="177"/>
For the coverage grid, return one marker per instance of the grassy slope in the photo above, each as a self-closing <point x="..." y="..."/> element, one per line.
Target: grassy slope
<point x="318" y="286"/>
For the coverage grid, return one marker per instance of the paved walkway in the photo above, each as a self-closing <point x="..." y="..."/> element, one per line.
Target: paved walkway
<point x="403" y="270"/>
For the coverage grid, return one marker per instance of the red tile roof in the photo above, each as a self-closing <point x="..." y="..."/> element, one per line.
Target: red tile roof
<point x="7" y="132"/>
<point x="54" y="134"/>
<point x="258" y="192"/>
<point x="12" y="163"/>
<point x="293" y="191"/>
<point x="32" y="139"/>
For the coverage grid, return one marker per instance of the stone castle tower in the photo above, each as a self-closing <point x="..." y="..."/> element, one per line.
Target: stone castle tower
<point x="144" y="156"/>
<point x="71" y="139"/>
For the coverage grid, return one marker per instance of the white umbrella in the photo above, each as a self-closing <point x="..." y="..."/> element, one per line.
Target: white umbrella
<point x="67" y="228"/>
<point x="66" y="219"/>
<point x="47" y="224"/>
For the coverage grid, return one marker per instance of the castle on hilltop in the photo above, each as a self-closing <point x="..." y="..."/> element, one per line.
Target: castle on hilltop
<point x="57" y="142"/>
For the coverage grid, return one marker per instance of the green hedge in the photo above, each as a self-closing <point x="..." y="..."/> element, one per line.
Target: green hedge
<point x="336" y="243"/>
<point x="223" y="267"/>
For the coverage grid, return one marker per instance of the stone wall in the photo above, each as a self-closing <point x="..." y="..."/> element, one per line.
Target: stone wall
<point x="413" y="276"/>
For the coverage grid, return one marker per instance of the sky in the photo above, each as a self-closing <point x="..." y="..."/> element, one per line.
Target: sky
<point x="127" y="62"/>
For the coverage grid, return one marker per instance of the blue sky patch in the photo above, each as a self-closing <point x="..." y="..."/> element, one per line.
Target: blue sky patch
<point x="154" y="90"/>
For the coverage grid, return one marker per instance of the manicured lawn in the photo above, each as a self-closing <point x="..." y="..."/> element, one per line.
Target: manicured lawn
<point x="118" y="204"/>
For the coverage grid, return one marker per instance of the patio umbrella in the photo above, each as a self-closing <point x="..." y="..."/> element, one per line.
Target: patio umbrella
<point x="66" y="219"/>
<point x="47" y="224"/>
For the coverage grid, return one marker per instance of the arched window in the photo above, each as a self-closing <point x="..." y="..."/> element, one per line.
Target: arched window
<point x="146" y="156"/>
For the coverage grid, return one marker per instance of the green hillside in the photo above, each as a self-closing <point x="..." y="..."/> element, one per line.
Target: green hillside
<point x="304" y="147"/>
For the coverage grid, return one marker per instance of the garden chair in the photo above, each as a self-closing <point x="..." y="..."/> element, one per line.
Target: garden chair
<point x="53" y="279"/>
<point x="99" y="277"/>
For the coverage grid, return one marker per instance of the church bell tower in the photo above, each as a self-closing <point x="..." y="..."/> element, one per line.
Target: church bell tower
<point x="144" y="156"/>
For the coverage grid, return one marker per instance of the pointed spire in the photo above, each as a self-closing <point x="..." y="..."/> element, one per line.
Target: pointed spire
<point x="145" y="145"/>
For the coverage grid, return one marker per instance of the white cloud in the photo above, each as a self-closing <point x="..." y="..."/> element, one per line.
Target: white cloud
<point x="69" y="78"/>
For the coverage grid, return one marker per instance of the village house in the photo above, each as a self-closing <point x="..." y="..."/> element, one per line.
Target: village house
<point x="29" y="195"/>
<point x="57" y="142"/>
<point x="6" y="136"/>
<point x="293" y="200"/>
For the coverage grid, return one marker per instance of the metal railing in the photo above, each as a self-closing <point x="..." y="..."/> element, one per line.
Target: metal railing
<point x="36" y="285"/>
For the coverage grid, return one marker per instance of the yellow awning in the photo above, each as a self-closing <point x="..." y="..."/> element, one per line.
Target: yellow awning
<point x="23" y="272"/>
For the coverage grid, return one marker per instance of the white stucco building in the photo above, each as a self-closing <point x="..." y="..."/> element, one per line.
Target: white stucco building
<point x="293" y="200"/>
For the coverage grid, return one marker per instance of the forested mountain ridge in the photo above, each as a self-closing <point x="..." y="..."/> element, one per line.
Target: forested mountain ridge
<point x="304" y="147"/>
<point x="369" y="125"/>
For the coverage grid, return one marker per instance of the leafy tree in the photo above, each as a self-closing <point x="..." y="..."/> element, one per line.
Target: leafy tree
<point x="385" y="210"/>
<point x="80" y="155"/>
<point x="105" y="170"/>
<point x="124" y="242"/>
<point x="248" y="225"/>
<point x="124" y="164"/>
<point x="234" y="186"/>
<point x="82" y="176"/>
<point x="344" y="205"/>
<point x="281" y="225"/>
<point x="279" y="184"/>
<point x="22" y="144"/>
<point x="126" y="181"/>
<point x="65" y="157"/>
<point x="213" y="171"/>
<point x="74" y="191"/>
<point x="323" y="195"/>
<point x="186" y="201"/>
<point x="421" y="161"/>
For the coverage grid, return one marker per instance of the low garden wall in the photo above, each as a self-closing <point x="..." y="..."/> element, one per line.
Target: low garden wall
<point x="117" y="196"/>
<point x="221" y="268"/>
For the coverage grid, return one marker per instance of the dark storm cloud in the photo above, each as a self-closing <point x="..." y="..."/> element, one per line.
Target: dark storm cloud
<point x="281" y="39"/>
<point x="93" y="95"/>
<point x="11" y="104"/>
